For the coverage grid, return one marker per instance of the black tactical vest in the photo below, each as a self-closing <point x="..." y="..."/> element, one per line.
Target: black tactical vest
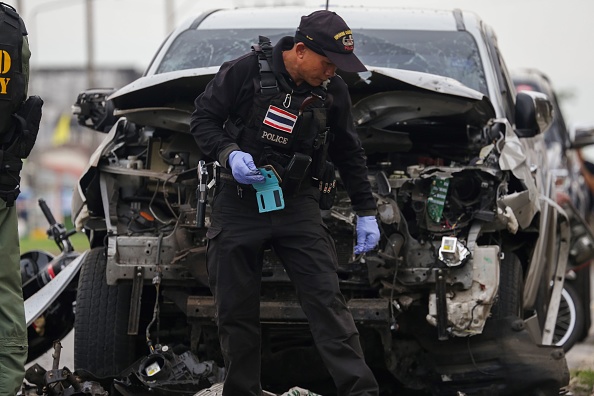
<point x="14" y="66"/>
<point x="17" y="134"/>
<point x="282" y="124"/>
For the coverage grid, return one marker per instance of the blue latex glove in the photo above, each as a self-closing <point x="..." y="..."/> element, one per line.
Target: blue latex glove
<point x="368" y="234"/>
<point x="243" y="168"/>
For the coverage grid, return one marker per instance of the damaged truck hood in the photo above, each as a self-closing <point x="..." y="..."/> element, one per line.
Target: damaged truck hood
<point x="384" y="97"/>
<point x="398" y="96"/>
<point x="396" y="109"/>
<point x="162" y="100"/>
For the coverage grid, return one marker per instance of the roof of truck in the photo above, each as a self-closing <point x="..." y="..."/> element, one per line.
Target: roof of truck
<point x="356" y="18"/>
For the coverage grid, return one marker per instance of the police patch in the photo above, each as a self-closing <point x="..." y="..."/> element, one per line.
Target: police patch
<point x="280" y="119"/>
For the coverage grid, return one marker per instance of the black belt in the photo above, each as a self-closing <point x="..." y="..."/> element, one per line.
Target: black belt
<point x="226" y="175"/>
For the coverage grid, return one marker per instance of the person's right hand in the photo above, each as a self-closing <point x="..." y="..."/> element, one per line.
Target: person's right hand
<point x="243" y="168"/>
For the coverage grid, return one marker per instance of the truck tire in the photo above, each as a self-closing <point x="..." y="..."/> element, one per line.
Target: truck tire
<point x="101" y="343"/>
<point x="510" y="298"/>
<point x="570" y="318"/>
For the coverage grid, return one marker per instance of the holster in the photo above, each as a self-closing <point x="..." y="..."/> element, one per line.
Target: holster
<point x="320" y="154"/>
<point x="292" y="169"/>
<point x="295" y="172"/>
<point x="26" y="121"/>
<point x="26" y="126"/>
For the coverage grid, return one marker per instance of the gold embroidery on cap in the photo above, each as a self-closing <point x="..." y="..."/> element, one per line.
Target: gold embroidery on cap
<point x="339" y="35"/>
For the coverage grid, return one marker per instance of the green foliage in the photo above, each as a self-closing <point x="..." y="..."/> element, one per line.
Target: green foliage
<point x="586" y="377"/>
<point x="582" y="382"/>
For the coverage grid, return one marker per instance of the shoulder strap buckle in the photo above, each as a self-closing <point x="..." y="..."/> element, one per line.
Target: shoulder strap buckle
<point x="268" y="83"/>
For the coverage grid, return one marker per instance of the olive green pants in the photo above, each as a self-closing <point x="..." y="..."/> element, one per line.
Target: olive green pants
<point x="13" y="330"/>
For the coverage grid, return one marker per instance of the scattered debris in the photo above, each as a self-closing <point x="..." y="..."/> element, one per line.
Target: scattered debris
<point x="217" y="390"/>
<point x="162" y="372"/>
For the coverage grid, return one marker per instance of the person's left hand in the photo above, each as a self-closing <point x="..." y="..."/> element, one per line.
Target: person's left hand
<point x="368" y="234"/>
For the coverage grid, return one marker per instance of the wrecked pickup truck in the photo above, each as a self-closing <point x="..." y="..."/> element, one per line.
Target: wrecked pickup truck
<point x="462" y="292"/>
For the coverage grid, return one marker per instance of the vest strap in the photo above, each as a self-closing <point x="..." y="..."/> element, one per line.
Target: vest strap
<point x="268" y="83"/>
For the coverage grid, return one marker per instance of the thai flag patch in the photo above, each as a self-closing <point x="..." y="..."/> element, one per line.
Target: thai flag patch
<point x="280" y="119"/>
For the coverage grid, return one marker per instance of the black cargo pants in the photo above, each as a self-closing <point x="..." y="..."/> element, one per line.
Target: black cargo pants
<point x="237" y="237"/>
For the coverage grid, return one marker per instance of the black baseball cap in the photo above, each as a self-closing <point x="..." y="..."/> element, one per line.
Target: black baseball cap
<point x="327" y="34"/>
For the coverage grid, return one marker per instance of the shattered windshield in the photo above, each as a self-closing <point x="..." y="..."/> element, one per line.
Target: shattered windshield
<point x="449" y="54"/>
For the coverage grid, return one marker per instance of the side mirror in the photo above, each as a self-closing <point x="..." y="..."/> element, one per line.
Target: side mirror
<point x="582" y="136"/>
<point x="94" y="110"/>
<point x="534" y="113"/>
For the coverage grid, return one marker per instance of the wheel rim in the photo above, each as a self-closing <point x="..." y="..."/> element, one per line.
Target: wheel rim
<point x="566" y="318"/>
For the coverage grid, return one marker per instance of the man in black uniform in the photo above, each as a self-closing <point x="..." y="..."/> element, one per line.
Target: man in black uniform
<point x="284" y="106"/>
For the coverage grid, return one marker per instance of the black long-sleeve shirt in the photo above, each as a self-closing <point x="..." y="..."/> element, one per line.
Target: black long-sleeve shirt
<point x="230" y="94"/>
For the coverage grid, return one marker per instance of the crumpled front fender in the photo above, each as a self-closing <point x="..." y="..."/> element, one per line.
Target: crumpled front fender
<point x="513" y="158"/>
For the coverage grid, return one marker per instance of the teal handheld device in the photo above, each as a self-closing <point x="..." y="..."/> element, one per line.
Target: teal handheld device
<point x="269" y="194"/>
